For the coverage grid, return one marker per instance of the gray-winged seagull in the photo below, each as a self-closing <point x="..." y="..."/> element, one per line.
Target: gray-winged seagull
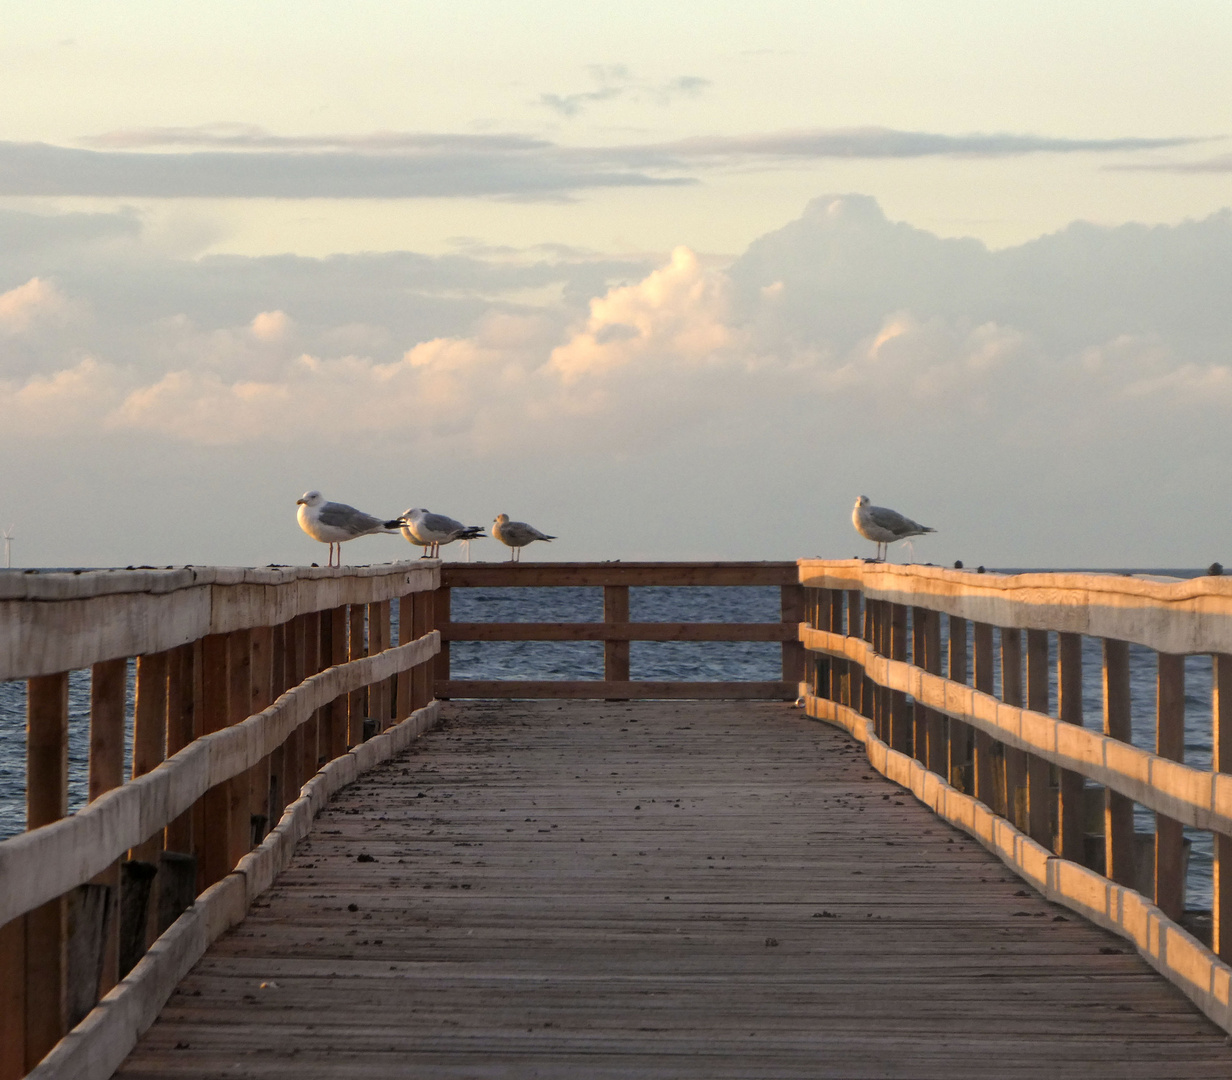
<point x="428" y="530"/>
<point x="883" y="526"/>
<point x="335" y="523"/>
<point x="516" y="534"/>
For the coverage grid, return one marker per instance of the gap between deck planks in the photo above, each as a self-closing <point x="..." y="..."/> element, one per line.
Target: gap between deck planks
<point x="654" y="889"/>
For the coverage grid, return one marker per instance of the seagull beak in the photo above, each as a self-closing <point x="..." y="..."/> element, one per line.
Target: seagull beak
<point x="300" y="502"/>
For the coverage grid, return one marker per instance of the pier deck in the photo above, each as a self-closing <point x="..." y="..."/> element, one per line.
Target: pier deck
<point x="655" y="889"/>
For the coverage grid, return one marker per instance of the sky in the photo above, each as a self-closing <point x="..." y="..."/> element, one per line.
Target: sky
<point x="666" y="281"/>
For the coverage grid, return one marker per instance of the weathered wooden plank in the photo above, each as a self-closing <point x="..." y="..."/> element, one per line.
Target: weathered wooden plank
<point x="549" y="889"/>
<point x="1069" y="840"/>
<point x="504" y="575"/>
<point x="105" y="771"/>
<point x="615" y="617"/>
<point x="637" y="689"/>
<point x="60" y="622"/>
<point x="1195" y="797"/>
<point x="1190" y="616"/>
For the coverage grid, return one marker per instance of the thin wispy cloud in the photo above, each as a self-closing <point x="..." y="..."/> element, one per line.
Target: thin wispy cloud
<point x="617" y="81"/>
<point x="242" y="161"/>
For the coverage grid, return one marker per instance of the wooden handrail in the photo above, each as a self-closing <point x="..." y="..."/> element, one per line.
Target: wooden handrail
<point x="617" y="631"/>
<point x="247" y="682"/>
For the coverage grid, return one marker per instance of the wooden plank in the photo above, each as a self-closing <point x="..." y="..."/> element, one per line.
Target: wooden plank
<point x="615" y="620"/>
<point x="310" y="732"/>
<point x="938" y="750"/>
<point x="1170" y="744"/>
<point x="1221" y="762"/>
<point x="503" y="575"/>
<point x="46" y="974"/>
<point x="406" y="632"/>
<point x="108" y="691"/>
<point x="1039" y="793"/>
<point x="261" y="812"/>
<point x="1189" y="616"/>
<point x="378" y="641"/>
<point x="13" y="999"/>
<point x="571" y="901"/>
<point x="182" y="702"/>
<point x="637" y="689"/>
<point x="1069" y="842"/>
<point x="1118" y="810"/>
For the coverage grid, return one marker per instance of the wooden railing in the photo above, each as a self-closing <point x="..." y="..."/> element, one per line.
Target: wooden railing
<point x="616" y="631"/>
<point x="1016" y="770"/>
<point x="247" y="682"/>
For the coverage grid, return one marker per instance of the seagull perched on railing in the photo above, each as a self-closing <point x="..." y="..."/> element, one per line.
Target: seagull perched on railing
<point x="883" y="526"/>
<point x="335" y="523"/>
<point x="428" y="530"/>
<point x="516" y="534"/>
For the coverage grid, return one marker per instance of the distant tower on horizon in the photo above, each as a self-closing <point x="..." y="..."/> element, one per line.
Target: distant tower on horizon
<point x="8" y="546"/>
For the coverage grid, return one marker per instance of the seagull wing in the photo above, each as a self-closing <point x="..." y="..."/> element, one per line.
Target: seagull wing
<point x="341" y="516"/>
<point x="893" y="521"/>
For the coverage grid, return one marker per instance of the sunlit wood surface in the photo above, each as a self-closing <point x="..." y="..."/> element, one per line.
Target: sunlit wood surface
<point x="659" y="889"/>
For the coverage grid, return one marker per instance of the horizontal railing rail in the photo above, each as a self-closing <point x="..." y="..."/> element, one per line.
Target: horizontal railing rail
<point x="245" y="683"/>
<point x="875" y="661"/>
<point x="617" y="631"/>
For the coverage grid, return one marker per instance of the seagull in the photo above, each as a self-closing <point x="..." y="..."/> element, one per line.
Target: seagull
<point x="883" y="526"/>
<point x="516" y="534"/>
<point x="428" y="530"/>
<point x="335" y="523"/>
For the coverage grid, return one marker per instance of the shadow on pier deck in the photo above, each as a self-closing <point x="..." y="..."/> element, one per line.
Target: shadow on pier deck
<point x="684" y="889"/>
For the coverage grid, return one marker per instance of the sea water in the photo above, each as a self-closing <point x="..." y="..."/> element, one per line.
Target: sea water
<point x="670" y="661"/>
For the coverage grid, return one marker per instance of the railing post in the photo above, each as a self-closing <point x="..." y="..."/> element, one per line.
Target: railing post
<point x="46" y="959"/>
<point x="441" y="619"/>
<point x="406" y="633"/>
<point x="150" y="717"/>
<point x="1069" y="843"/>
<point x="839" y="669"/>
<point x="1014" y="760"/>
<point x="615" y="653"/>
<point x="422" y="674"/>
<point x="856" y="628"/>
<point x="182" y="703"/>
<point x="1039" y="791"/>
<point x="378" y="641"/>
<point x="791" y="608"/>
<point x="919" y="658"/>
<point x="278" y="757"/>
<point x="935" y="758"/>
<point x="1170" y="743"/>
<point x="1118" y="810"/>
<point x="215" y="827"/>
<point x="336" y="621"/>
<point x="1221" y="761"/>
<point x="958" y="744"/>
<point x="108" y="687"/>
<point x="900" y="722"/>
<point x="357" y="699"/>
<point x="983" y="771"/>
<point x="239" y="702"/>
<point x="260" y="812"/>
<point x="310" y="747"/>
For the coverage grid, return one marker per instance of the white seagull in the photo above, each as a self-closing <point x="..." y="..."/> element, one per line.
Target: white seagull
<point x="883" y="526"/>
<point x="335" y="523"/>
<point x="516" y="534"/>
<point x="428" y="530"/>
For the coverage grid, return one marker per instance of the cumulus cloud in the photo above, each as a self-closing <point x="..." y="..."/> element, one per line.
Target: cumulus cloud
<point x="841" y="352"/>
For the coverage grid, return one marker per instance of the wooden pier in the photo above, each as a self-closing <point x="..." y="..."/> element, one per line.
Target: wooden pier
<point x="610" y="887"/>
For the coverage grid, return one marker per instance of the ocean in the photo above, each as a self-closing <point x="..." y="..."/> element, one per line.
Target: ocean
<point x="676" y="661"/>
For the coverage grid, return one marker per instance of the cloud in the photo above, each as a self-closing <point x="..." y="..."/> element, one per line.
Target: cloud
<point x="240" y="161"/>
<point x="25" y="307"/>
<point x="1076" y="383"/>
<point x="617" y="81"/>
